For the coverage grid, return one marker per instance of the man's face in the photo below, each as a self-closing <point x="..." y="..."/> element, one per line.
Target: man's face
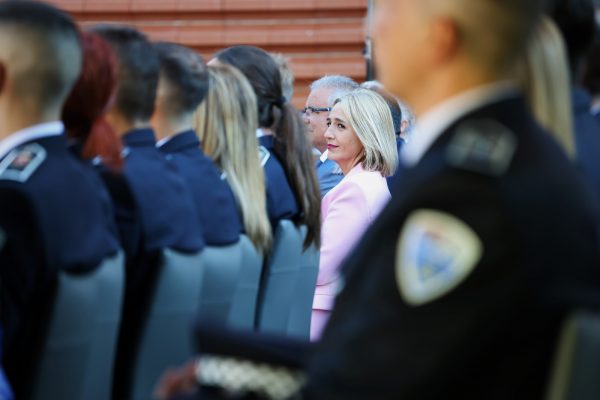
<point x="317" y="121"/>
<point x="399" y="36"/>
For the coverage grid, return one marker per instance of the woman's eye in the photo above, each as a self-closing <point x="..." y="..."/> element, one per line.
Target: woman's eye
<point x="340" y="126"/>
<point x="328" y="123"/>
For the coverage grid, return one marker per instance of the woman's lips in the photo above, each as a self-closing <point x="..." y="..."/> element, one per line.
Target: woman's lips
<point x="331" y="146"/>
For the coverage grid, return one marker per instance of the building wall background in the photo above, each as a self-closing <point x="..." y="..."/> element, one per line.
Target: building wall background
<point x="319" y="36"/>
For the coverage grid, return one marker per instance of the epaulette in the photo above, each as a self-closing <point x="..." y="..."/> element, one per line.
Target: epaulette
<point x="264" y="155"/>
<point x="22" y="162"/>
<point x="483" y="146"/>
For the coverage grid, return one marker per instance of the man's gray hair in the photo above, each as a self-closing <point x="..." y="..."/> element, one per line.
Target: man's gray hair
<point x="340" y="84"/>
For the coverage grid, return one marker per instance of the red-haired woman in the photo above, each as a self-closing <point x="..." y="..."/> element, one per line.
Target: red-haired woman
<point x="93" y="139"/>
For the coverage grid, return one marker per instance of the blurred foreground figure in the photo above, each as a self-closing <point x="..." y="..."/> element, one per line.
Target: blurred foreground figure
<point x="54" y="214"/>
<point x="459" y="289"/>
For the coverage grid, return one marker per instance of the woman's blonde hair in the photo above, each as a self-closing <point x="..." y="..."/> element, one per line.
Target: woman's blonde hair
<point x="371" y="119"/>
<point x="544" y="73"/>
<point x="226" y="123"/>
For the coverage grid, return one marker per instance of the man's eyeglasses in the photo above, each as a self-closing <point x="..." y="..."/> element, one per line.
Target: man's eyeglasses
<point x="315" y="110"/>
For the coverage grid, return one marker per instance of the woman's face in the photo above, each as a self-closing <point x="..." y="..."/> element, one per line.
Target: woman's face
<point x="342" y="142"/>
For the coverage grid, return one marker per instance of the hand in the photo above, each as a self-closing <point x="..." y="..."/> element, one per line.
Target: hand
<point x="177" y="382"/>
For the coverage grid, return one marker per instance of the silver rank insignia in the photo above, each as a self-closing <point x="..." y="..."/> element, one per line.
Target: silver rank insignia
<point x="435" y="253"/>
<point x="22" y="162"/>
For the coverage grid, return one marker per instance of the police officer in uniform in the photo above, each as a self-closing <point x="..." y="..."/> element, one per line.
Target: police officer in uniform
<point x="162" y="205"/>
<point x="55" y="214"/>
<point x="182" y="87"/>
<point x="460" y="288"/>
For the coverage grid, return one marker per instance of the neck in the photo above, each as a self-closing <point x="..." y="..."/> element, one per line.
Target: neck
<point x="14" y="116"/>
<point x="267" y="131"/>
<point x="122" y="125"/>
<point x="450" y="83"/>
<point x="348" y="166"/>
<point x="169" y="126"/>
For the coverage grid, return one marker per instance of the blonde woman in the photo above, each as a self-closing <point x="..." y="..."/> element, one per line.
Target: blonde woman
<point x="226" y="123"/>
<point x="361" y="140"/>
<point x="545" y="77"/>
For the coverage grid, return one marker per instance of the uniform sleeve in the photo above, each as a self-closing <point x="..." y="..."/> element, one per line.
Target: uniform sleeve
<point x="24" y="275"/>
<point x="346" y="220"/>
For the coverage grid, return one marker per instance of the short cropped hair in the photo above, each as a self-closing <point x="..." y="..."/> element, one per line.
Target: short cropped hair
<point x="186" y="76"/>
<point x="52" y="43"/>
<point x="340" y="84"/>
<point x="493" y="32"/>
<point x="370" y="117"/>
<point x="139" y="71"/>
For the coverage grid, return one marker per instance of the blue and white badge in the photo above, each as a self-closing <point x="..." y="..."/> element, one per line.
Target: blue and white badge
<point x="436" y="252"/>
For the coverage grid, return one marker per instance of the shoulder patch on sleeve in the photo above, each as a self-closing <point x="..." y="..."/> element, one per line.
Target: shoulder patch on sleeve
<point x="264" y="155"/>
<point x="435" y="253"/>
<point x="22" y="162"/>
<point x="484" y="146"/>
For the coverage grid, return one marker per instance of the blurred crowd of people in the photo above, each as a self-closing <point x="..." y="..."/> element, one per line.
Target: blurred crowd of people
<point x="457" y="227"/>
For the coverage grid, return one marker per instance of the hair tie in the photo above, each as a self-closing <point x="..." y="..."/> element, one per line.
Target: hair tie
<point x="280" y="102"/>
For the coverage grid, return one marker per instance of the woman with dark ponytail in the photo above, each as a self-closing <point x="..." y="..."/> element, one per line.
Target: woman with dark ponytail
<point x="292" y="186"/>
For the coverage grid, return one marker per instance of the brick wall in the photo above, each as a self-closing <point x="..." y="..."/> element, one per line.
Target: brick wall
<point x="320" y="36"/>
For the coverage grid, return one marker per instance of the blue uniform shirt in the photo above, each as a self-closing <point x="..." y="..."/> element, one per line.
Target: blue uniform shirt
<point x="281" y="201"/>
<point x="587" y="139"/>
<point x="329" y="175"/>
<point x="55" y="215"/>
<point x="215" y="203"/>
<point x="164" y="203"/>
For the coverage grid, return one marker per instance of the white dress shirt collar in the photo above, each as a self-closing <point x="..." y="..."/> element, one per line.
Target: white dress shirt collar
<point x="323" y="156"/>
<point x="434" y="122"/>
<point x="30" y="134"/>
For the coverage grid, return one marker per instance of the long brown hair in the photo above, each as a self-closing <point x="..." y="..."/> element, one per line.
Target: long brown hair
<point x="291" y="143"/>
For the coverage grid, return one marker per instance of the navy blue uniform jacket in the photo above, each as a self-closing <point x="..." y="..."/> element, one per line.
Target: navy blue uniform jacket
<point x="215" y="204"/>
<point x="281" y="200"/>
<point x="587" y="138"/>
<point x="58" y="219"/>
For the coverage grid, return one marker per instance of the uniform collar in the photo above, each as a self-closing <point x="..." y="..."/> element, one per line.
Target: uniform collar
<point x="434" y="122"/>
<point x="30" y="134"/>
<point x="324" y="155"/>
<point x="179" y="142"/>
<point x="140" y="138"/>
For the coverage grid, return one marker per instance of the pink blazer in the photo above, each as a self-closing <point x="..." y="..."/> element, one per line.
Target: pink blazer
<point x="346" y="213"/>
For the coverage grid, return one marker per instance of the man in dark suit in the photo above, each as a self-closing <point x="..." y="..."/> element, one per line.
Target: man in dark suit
<point x="54" y="212"/>
<point x="182" y="87"/>
<point x="162" y="204"/>
<point x="576" y="21"/>
<point x="459" y="289"/>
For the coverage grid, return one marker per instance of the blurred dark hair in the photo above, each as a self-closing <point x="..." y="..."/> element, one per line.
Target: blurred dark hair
<point x="90" y="99"/>
<point x="52" y="37"/>
<point x="291" y="143"/>
<point x="139" y="71"/>
<point x="577" y="23"/>
<point x="186" y="74"/>
<point x="392" y="103"/>
<point x="591" y="76"/>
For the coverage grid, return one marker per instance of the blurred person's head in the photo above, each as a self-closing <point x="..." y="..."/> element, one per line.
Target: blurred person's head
<point x="391" y="101"/>
<point x="545" y="77"/>
<point x="182" y="86"/>
<point x="287" y="76"/>
<point x="139" y="71"/>
<point x="94" y="93"/>
<point x="226" y="123"/>
<point x="277" y="117"/>
<point x="453" y="46"/>
<point x="361" y="131"/>
<point x="323" y="93"/>
<point x="40" y="61"/>
<point x="577" y="23"/>
<point x="591" y="76"/>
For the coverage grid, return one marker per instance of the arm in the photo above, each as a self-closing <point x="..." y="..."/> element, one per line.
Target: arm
<point x="346" y="221"/>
